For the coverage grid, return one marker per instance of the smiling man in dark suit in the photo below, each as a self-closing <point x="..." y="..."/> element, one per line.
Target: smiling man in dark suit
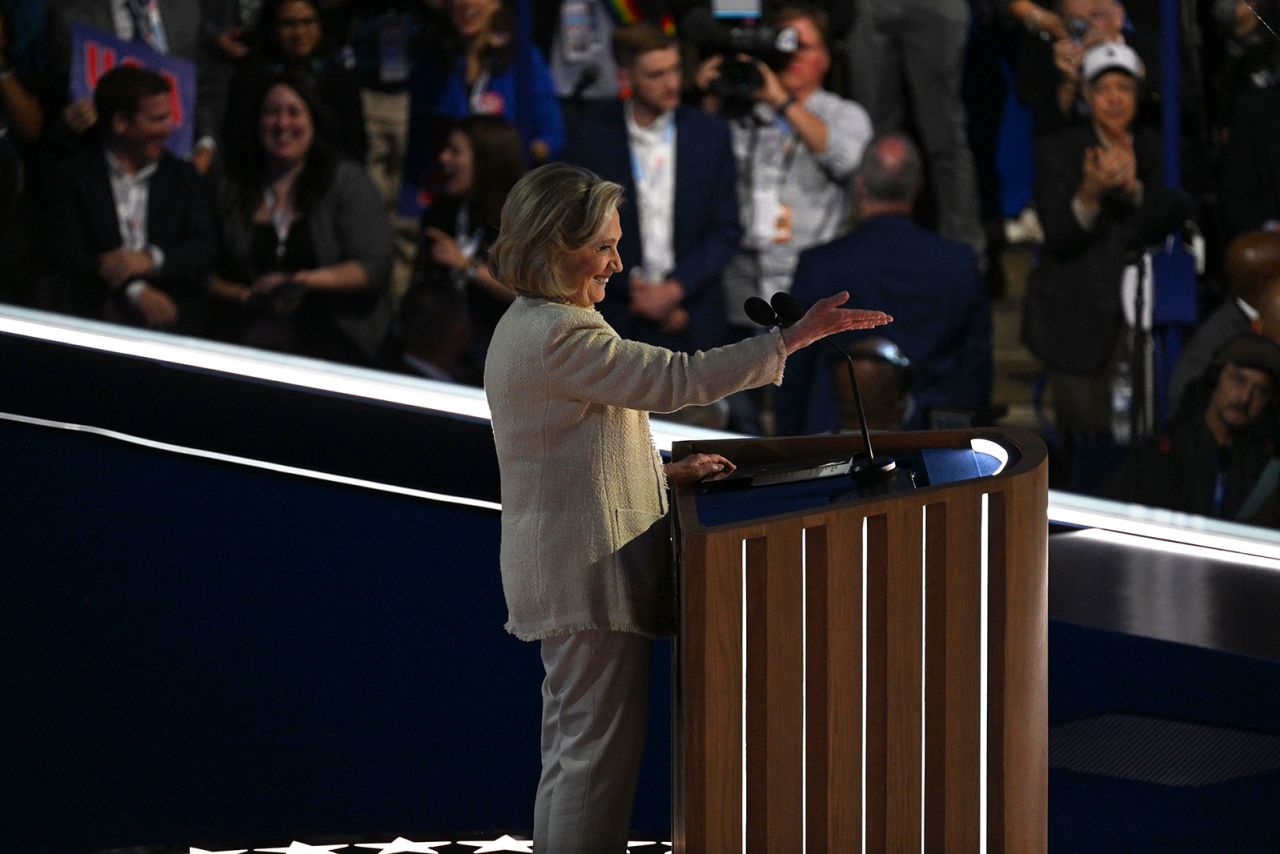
<point x="931" y="286"/>
<point x="128" y="228"/>
<point x="680" y="225"/>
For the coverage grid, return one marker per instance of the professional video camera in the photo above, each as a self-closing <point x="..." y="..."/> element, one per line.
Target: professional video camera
<point x="734" y="30"/>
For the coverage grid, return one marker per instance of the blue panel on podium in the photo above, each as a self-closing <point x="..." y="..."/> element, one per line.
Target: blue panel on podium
<point x="948" y="465"/>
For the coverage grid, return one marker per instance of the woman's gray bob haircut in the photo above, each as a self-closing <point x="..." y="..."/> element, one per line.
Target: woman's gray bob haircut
<point x="549" y="213"/>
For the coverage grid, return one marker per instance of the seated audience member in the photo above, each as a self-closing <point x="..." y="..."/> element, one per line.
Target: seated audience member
<point x="170" y="27"/>
<point x="435" y="337"/>
<point x="1098" y="187"/>
<point x="305" y="245"/>
<point x="1252" y="264"/>
<point x="1209" y="457"/>
<point x="292" y="40"/>
<point x="676" y="167"/>
<point x="479" y="69"/>
<point x="884" y="381"/>
<point x="930" y="285"/>
<point x="481" y="162"/>
<point x="128" y="230"/>
<point x="1049" y="74"/>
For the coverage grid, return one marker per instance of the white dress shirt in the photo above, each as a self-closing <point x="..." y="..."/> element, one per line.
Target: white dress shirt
<point x="653" y="166"/>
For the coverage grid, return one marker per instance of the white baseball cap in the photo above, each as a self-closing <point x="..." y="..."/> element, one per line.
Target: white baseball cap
<point x="1112" y="56"/>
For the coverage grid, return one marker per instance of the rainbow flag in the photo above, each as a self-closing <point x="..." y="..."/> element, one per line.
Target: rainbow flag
<point x="628" y="12"/>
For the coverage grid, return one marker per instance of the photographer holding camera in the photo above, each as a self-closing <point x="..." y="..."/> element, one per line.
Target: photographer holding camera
<point x="797" y="146"/>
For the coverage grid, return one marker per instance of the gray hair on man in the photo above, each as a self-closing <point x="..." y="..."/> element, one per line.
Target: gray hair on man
<point x="891" y="169"/>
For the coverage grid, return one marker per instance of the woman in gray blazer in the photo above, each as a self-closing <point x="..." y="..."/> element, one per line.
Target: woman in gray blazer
<point x="585" y="554"/>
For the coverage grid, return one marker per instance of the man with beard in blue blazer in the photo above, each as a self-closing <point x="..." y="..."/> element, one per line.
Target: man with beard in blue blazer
<point x="931" y="286"/>
<point x="680" y="225"/>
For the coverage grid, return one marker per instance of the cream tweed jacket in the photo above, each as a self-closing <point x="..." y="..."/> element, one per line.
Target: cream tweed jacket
<point x="585" y="541"/>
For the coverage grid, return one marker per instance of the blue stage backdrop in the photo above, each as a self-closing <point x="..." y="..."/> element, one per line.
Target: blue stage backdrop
<point x="201" y="651"/>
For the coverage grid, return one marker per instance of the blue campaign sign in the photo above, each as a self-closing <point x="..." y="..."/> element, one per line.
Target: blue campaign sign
<point x="95" y="52"/>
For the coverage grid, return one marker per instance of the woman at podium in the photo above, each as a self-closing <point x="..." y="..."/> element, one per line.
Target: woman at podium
<point x="586" y="556"/>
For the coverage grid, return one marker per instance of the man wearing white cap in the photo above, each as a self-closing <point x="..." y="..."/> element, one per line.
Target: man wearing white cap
<point x="1098" y="186"/>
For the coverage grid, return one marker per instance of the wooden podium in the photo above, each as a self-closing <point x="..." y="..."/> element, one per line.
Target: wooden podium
<point x="864" y="673"/>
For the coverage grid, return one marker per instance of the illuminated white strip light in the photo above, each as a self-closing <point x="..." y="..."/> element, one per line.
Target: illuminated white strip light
<point x="1178" y="528"/>
<point x="743" y="621"/>
<point x="984" y="592"/>
<point x="863" y="623"/>
<point x="252" y="463"/>
<point x="924" y="658"/>
<point x="804" y="689"/>
<point x="416" y="392"/>
<point x="1132" y="541"/>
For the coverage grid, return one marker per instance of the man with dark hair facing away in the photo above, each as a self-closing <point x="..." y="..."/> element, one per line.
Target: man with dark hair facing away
<point x="1212" y="458"/>
<point x="676" y="166"/>
<point x="128" y="229"/>
<point x="929" y="284"/>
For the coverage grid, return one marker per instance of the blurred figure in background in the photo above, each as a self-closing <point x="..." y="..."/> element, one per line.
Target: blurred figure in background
<point x="480" y="68"/>
<point x="884" y="380"/>
<point x="931" y="286"/>
<point x="305" y="245"/>
<point x="1096" y="186"/>
<point x="1215" y="457"/>
<point x="923" y="43"/>
<point x="796" y="146"/>
<point x="128" y="232"/>
<point x="1252" y="264"/>
<point x="481" y="162"/>
<point x="434" y="337"/>
<point x="292" y="40"/>
<point x="676" y="167"/>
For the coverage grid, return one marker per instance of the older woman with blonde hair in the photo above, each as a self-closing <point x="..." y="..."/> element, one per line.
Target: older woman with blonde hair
<point x="586" y="557"/>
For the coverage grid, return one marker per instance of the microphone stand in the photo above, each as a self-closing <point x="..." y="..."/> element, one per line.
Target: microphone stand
<point x="869" y="469"/>
<point x="783" y="310"/>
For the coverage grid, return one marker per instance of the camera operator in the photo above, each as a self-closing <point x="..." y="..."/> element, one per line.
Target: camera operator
<point x="797" y="146"/>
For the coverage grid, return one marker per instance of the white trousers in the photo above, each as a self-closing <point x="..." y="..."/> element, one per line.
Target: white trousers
<point x="594" y="700"/>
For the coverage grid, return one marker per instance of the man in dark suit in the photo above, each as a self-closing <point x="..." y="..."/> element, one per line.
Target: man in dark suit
<point x="680" y="227"/>
<point x="931" y="286"/>
<point x="128" y="229"/>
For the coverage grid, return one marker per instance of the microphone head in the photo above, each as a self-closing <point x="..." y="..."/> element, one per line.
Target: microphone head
<point x="760" y="312"/>
<point x="786" y="307"/>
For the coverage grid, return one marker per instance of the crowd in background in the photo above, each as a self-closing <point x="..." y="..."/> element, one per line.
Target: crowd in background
<point x="351" y="157"/>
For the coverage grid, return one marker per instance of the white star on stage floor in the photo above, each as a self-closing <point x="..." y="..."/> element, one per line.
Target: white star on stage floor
<point x="296" y="847"/>
<point x="403" y="846"/>
<point x="195" y="850"/>
<point x="502" y="843"/>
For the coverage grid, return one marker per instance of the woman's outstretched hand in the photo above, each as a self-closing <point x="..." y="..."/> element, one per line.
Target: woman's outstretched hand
<point x="827" y="318"/>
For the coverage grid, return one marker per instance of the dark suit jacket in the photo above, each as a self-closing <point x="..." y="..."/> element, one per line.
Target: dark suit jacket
<point x="1251" y="167"/>
<point x="1073" y="310"/>
<point x="941" y="318"/>
<point x="82" y="224"/>
<point x="706" y="220"/>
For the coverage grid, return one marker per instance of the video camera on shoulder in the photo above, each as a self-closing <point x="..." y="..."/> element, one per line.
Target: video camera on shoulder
<point x="733" y="28"/>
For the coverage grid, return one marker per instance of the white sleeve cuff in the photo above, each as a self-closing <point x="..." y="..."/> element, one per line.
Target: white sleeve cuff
<point x="157" y="257"/>
<point x="132" y="290"/>
<point x="1085" y="217"/>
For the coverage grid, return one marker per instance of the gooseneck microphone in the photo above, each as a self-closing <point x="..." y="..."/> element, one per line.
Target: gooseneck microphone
<point x="783" y="310"/>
